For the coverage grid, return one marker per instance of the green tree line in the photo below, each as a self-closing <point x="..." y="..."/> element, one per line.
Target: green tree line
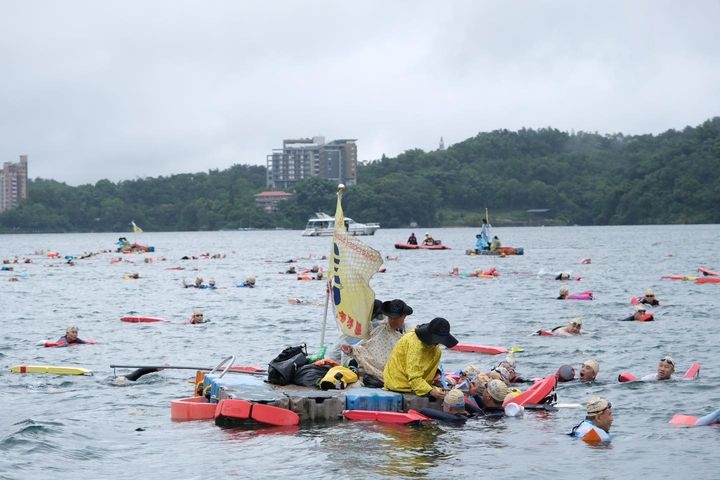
<point x="581" y="178"/>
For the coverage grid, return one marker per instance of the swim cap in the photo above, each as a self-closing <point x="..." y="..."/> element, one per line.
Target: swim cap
<point x="564" y="290"/>
<point x="470" y="371"/>
<point x="565" y="373"/>
<point x="577" y="321"/>
<point x="597" y="405"/>
<point x="251" y="280"/>
<point x="497" y="390"/>
<point x="454" y="398"/>
<point x="592" y="363"/>
<point x="649" y="291"/>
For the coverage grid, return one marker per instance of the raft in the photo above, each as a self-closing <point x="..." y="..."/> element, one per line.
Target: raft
<point x="309" y="404"/>
<point x="407" y="246"/>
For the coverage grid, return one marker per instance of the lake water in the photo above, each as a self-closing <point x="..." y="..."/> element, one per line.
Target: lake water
<point x="65" y="427"/>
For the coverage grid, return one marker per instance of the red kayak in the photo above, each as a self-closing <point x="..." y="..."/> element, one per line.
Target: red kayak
<point x="465" y="347"/>
<point x="142" y="319"/>
<point x="385" y="417"/>
<point x="407" y="246"/>
<point x="536" y="393"/>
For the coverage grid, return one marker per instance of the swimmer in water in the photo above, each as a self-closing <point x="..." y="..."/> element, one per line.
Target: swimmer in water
<point x="133" y="376"/>
<point x="71" y="336"/>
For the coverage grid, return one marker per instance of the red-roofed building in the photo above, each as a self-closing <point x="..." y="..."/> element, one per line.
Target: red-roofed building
<point x="270" y="200"/>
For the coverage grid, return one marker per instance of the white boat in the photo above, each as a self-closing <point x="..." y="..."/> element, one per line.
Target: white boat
<point x="323" y="225"/>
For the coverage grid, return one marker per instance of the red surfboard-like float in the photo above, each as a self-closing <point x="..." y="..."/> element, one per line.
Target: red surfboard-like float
<point x="466" y="347"/>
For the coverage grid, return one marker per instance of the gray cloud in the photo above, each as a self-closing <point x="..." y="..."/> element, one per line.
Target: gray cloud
<point x="118" y="90"/>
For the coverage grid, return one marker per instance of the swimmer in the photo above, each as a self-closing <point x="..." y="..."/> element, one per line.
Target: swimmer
<point x="197" y="317"/>
<point x="572" y="328"/>
<point x="490" y="401"/>
<point x="565" y="373"/>
<point x="71" y="336"/>
<point x="133" y="376"/>
<point x="249" y="283"/>
<point x="564" y="293"/>
<point x="640" y="314"/>
<point x="596" y="426"/>
<point x="649" y="298"/>
<point x="589" y="370"/>
<point x="563" y="276"/>
<point x="665" y="370"/>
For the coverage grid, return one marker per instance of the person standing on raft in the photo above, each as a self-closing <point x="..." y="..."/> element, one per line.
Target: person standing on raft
<point x="372" y="353"/>
<point x="428" y="240"/>
<point x="412" y="239"/>
<point x="416" y="357"/>
<point x="596" y="426"/>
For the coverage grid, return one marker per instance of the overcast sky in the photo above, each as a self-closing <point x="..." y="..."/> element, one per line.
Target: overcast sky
<point x="127" y="89"/>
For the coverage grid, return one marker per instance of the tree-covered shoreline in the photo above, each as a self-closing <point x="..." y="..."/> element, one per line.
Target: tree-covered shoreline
<point x="580" y="178"/>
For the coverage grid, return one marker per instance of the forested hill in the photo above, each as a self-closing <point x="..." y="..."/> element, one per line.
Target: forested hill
<point x="581" y="178"/>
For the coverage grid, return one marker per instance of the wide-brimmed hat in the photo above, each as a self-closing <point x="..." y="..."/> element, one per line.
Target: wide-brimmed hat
<point x="597" y="405"/>
<point x="436" y="332"/>
<point x="377" y="307"/>
<point x="395" y="308"/>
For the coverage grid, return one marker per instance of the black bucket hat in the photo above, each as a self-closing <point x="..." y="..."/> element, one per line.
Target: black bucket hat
<point x="395" y="308"/>
<point x="437" y="331"/>
<point x="377" y="307"/>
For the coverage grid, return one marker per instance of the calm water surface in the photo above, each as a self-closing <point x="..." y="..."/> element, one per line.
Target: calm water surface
<point x="63" y="427"/>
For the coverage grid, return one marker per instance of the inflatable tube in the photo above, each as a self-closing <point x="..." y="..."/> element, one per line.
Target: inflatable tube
<point x="693" y="372"/>
<point x="634" y="301"/>
<point x="175" y="268"/>
<point x="679" y="277"/>
<point x="142" y="319"/>
<point x="50" y="369"/>
<point x="305" y="277"/>
<point x="536" y="393"/>
<point x="53" y="254"/>
<point x="234" y="409"/>
<point x="688" y="420"/>
<point x="443" y="416"/>
<point x="407" y="246"/>
<point x="705" y="271"/>
<point x="385" y="417"/>
<point x="193" y="408"/>
<point x="646" y="318"/>
<point x="626" y="377"/>
<point x="465" y="347"/>
<point x="581" y="296"/>
<point x="50" y="343"/>
<point x="544" y="333"/>
<point x="707" y="280"/>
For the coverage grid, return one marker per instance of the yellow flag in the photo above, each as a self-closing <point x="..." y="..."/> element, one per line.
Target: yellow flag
<point x="352" y="265"/>
<point x="136" y="229"/>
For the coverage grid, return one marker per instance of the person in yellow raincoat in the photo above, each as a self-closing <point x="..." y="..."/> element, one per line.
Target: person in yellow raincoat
<point x="416" y="357"/>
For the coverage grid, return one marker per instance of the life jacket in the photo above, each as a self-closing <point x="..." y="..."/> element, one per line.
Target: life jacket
<point x="338" y="378"/>
<point x="589" y="432"/>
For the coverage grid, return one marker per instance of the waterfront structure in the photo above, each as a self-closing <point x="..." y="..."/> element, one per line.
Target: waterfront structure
<point x="303" y="158"/>
<point x="13" y="183"/>
<point x="270" y="200"/>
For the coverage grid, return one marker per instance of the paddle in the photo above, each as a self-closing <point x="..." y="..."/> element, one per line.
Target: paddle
<point x="239" y="369"/>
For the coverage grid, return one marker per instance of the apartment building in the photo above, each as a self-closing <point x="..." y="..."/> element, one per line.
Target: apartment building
<point x="13" y="183"/>
<point x="303" y="158"/>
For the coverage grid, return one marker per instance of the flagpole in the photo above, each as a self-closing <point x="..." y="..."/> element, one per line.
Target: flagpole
<point x="325" y="314"/>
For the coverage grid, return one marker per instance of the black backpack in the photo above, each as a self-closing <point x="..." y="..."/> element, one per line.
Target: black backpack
<point x="309" y="375"/>
<point x="281" y="371"/>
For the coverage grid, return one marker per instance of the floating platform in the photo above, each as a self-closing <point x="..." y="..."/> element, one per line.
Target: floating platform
<point x="310" y="404"/>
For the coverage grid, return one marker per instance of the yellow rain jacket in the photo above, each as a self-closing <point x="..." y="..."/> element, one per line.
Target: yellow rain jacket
<point x="412" y="365"/>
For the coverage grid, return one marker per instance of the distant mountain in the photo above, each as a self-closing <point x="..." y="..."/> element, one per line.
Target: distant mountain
<point x="579" y="178"/>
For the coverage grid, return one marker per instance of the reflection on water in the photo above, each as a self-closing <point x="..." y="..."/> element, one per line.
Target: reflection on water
<point x="48" y="420"/>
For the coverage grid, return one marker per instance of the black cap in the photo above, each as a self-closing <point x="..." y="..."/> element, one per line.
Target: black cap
<point x="437" y="331"/>
<point x="396" y="308"/>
